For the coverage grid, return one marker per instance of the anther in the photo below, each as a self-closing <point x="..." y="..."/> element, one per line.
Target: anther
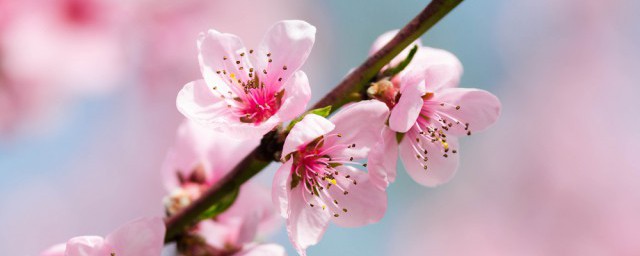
<point x="336" y="215"/>
<point x="264" y="71"/>
<point x="284" y="67"/>
<point x="270" y="60"/>
<point x="242" y="54"/>
<point x="345" y="193"/>
<point x="344" y="209"/>
<point x="454" y="151"/>
<point x="365" y="165"/>
<point x="250" y="51"/>
<point x="457" y="107"/>
<point x="237" y="62"/>
<point x="279" y="79"/>
<point x="268" y="54"/>
<point x="224" y="58"/>
<point x="445" y="155"/>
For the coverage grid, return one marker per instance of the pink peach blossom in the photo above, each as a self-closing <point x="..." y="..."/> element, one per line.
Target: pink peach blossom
<point x="431" y="113"/>
<point x="319" y="181"/>
<point x="144" y="237"/>
<point x="201" y="157"/>
<point x="247" y="92"/>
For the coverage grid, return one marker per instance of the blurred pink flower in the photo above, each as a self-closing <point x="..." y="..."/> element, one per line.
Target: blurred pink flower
<point x="432" y="112"/>
<point x="245" y="92"/>
<point x="198" y="159"/>
<point x="52" y="52"/>
<point x="321" y="154"/>
<point x="144" y="237"/>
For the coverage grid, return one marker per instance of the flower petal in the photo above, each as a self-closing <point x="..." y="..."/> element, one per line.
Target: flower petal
<point x="296" y="96"/>
<point x="280" y="188"/>
<point x="255" y="201"/>
<point x="383" y="160"/>
<point x="306" y="225"/>
<point x="361" y="124"/>
<point x="144" y="237"/>
<point x="86" y="246"/>
<point x="288" y="43"/>
<point x="405" y="113"/>
<point x="309" y="128"/>
<point x="479" y="108"/>
<point x="364" y="204"/>
<point x="438" y="68"/>
<point x="262" y="250"/>
<point x="56" y="250"/>
<point x="383" y="39"/>
<point x="220" y="51"/>
<point x="198" y="102"/>
<point x="439" y="170"/>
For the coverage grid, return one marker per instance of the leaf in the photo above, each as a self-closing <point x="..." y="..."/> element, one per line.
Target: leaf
<point x="402" y="65"/>
<point x="323" y="112"/>
<point x="220" y="206"/>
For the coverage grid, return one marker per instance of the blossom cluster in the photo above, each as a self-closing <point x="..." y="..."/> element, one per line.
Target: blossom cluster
<point x="333" y="168"/>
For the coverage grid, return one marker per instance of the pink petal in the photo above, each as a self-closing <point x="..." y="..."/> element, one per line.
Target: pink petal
<point x="280" y="188"/>
<point x="349" y="124"/>
<point x="296" y="96"/>
<point x="198" y="102"/>
<point x="214" y="47"/>
<point x="382" y="40"/>
<point x="365" y="202"/>
<point x="289" y="43"/>
<point x="306" y="225"/>
<point x="309" y="128"/>
<point x="479" y="108"/>
<point x="87" y="246"/>
<point x="144" y="237"/>
<point x="405" y="113"/>
<point x="255" y="202"/>
<point x="262" y="250"/>
<point x="440" y="169"/>
<point x="56" y="250"/>
<point x="383" y="160"/>
<point x="438" y="68"/>
<point x="217" y="234"/>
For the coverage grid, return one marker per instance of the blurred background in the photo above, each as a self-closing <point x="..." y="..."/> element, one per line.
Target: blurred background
<point x="87" y="114"/>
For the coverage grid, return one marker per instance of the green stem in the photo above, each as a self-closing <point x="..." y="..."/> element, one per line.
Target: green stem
<point x="349" y="90"/>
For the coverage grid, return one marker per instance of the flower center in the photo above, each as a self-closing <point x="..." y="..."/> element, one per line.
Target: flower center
<point x="316" y="167"/>
<point x="249" y="98"/>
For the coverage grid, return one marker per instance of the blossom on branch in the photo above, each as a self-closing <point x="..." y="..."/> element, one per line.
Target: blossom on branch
<point x="200" y="158"/>
<point x="247" y="92"/>
<point x="321" y="180"/>
<point x="430" y="113"/>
